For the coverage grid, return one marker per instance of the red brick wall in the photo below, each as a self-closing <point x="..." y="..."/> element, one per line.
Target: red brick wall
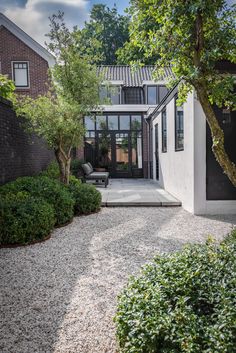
<point x="13" y="49"/>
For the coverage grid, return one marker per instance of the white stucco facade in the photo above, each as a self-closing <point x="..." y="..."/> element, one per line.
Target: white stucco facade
<point x="183" y="173"/>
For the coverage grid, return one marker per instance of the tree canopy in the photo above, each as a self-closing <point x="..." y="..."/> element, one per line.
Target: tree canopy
<point x="103" y="35"/>
<point x="58" y="116"/>
<point x="192" y="36"/>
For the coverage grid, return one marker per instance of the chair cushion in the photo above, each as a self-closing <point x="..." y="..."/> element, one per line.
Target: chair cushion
<point x="98" y="175"/>
<point x="87" y="169"/>
<point x="90" y="165"/>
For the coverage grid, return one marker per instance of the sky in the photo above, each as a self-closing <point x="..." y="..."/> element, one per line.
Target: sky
<point x="32" y="15"/>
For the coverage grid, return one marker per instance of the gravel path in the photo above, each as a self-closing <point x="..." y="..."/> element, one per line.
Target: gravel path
<point x="60" y="296"/>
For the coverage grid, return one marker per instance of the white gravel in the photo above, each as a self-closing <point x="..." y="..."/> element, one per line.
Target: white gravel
<point x="60" y="296"/>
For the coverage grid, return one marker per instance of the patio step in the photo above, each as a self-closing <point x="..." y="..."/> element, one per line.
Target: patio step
<point x="136" y="193"/>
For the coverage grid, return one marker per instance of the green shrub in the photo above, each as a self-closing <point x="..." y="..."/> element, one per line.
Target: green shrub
<point x="52" y="171"/>
<point x="183" y="302"/>
<point x="24" y="219"/>
<point x="87" y="198"/>
<point x="75" y="167"/>
<point x="52" y="191"/>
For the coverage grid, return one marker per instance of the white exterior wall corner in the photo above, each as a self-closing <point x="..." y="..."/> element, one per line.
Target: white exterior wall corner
<point x="176" y="168"/>
<point x="201" y="205"/>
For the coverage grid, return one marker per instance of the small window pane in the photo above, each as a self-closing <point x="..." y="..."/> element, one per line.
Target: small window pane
<point x="179" y="128"/>
<point x="164" y="132"/>
<point x="115" y="95"/>
<point x="152" y="95"/>
<point x="136" y="122"/>
<point x="136" y="144"/>
<point x="113" y="122"/>
<point x="89" y="123"/>
<point x="124" y="122"/>
<point x="103" y="94"/>
<point x="101" y="122"/>
<point x="162" y="92"/>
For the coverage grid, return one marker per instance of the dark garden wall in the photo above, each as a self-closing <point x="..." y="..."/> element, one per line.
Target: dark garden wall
<point x="20" y="153"/>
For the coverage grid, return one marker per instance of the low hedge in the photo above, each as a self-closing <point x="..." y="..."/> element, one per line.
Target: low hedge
<point x="24" y="219"/>
<point x="87" y="198"/>
<point x="50" y="190"/>
<point x="184" y="302"/>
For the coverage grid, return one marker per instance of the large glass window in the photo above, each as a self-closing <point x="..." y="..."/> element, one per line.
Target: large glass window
<point x="164" y="131"/>
<point x="179" y="127"/>
<point x="152" y="95"/>
<point x="112" y="122"/>
<point x="20" y="73"/>
<point x="124" y="122"/>
<point x="109" y="94"/>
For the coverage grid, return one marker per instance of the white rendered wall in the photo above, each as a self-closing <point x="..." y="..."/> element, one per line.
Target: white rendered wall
<point x="201" y="205"/>
<point x="176" y="168"/>
<point x="183" y="173"/>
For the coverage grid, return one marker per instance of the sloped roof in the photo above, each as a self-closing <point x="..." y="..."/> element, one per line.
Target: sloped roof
<point x="128" y="76"/>
<point x="25" y="38"/>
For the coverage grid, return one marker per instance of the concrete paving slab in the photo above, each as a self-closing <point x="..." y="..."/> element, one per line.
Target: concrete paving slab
<point x="136" y="192"/>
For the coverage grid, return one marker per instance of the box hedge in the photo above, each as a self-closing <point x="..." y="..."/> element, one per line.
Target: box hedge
<point x="52" y="191"/>
<point x="183" y="302"/>
<point x="24" y="219"/>
<point x="87" y="197"/>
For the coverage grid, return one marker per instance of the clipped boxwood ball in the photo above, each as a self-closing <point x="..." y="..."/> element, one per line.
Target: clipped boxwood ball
<point x="52" y="191"/>
<point x="24" y="219"/>
<point x="87" y="198"/>
<point x="182" y="303"/>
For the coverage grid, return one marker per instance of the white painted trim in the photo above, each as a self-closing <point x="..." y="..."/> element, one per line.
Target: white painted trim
<point x="126" y="108"/>
<point x="25" y="38"/>
<point x="154" y="83"/>
<point x="12" y="73"/>
<point x="113" y="82"/>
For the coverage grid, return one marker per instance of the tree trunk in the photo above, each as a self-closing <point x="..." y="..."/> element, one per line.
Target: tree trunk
<point x="64" y="165"/>
<point x="217" y="134"/>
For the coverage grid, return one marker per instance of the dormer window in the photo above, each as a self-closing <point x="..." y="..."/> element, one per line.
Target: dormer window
<point x="20" y="74"/>
<point x="155" y="94"/>
<point x="111" y="94"/>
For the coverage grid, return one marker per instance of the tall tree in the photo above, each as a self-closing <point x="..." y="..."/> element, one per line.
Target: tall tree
<point x="193" y="36"/>
<point x="103" y="35"/>
<point x="58" y="116"/>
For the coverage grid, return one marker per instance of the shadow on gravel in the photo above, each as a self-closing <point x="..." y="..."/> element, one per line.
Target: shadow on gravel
<point x="60" y="296"/>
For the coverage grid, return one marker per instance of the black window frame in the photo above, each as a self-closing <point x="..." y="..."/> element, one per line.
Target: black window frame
<point x="177" y="148"/>
<point x="164" y="131"/>
<point x="27" y="71"/>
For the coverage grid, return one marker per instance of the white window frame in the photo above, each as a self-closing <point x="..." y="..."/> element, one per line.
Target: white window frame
<point x="28" y="74"/>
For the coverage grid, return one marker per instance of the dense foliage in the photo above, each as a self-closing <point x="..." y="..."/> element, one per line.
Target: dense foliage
<point x="24" y="219"/>
<point x="182" y="303"/>
<point x="52" y="171"/>
<point x="7" y="87"/>
<point x="192" y="37"/>
<point x="52" y="191"/>
<point x="104" y="33"/>
<point x="76" y="167"/>
<point x="87" y="198"/>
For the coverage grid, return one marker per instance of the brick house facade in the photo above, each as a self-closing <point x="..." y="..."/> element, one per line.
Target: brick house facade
<point x="18" y="51"/>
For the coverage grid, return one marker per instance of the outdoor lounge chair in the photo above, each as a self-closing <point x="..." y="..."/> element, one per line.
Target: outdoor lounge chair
<point x="90" y="174"/>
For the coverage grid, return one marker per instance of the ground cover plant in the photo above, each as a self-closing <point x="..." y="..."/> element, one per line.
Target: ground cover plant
<point x="24" y="219"/>
<point x="182" y="302"/>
